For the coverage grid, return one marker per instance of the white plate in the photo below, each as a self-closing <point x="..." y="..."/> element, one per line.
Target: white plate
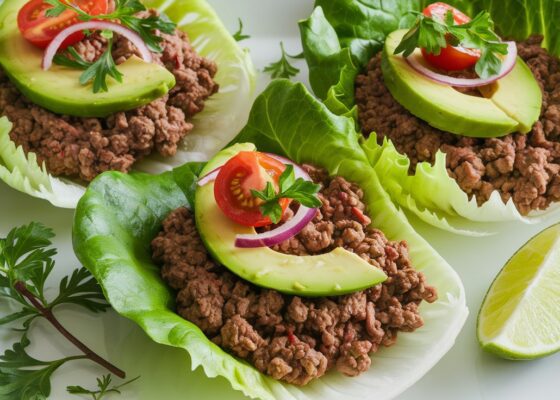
<point x="464" y="373"/>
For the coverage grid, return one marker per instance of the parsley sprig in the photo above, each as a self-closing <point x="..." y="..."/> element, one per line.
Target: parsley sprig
<point x="239" y="35"/>
<point x="25" y="377"/>
<point x="433" y="34"/>
<point x="300" y="190"/>
<point x="282" y="68"/>
<point x="96" y="72"/>
<point x="103" y="384"/>
<point x="125" y="12"/>
<point x="26" y="260"/>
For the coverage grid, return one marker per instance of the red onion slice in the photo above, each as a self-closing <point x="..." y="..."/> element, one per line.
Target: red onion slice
<point x="209" y="177"/>
<point x="132" y="36"/>
<point x="507" y="65"/>
<point x="287" y="230"/>
<point x="280" y="234"/>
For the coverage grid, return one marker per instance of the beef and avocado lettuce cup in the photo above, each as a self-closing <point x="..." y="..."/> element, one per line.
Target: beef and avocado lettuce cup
<point x="214" y="259"/>
<point x="88" y="87"/>
<point x="460" y="123"/>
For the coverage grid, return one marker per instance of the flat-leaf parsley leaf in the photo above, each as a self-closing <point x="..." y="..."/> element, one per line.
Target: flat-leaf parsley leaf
<point x="300" y="190"/>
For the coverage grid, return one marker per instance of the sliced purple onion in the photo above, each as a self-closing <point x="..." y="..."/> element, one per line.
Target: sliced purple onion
<point x="507" y="65"/>
<point x="280" y="234"/>
<point x="132" y="36"/>
<point x="209" y="177"/>
<point x="287" y="230"/>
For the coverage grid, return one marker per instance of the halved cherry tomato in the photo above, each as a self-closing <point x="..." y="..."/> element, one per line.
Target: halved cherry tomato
<point x="39" y="29"/>
<point x="232" y="188"/>
<point x="450" y="58"/>
<point x="439" y="10"/>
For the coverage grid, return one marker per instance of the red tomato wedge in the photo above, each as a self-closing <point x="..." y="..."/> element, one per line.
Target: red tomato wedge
<point x="439" y="10"/>
<point x="39" y="29"/>
<point x="450" y="58"/>
<point x="248" y="170"/>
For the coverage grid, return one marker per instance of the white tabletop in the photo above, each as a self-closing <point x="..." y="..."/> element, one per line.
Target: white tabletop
<point x="465" y="373"/>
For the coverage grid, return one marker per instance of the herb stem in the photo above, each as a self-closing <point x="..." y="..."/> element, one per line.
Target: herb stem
<point x="48" y="314"/>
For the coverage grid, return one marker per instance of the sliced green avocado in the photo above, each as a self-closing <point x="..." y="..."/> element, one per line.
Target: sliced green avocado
<point x="59" y="89"/>
<point x="518" y="95"/>
<point x="439" y="105"/>
<point x="330" y="274"/>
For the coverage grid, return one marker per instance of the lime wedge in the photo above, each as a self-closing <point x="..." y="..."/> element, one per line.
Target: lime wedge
<point x="520" y="315"/>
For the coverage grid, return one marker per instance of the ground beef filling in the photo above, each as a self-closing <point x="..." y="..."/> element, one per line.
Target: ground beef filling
<point x="520" y="167"/>
<point x="85" y="147"/>
<point x="291" y="338"/>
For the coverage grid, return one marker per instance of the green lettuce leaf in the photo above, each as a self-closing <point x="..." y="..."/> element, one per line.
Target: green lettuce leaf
<point x="339" y="30"/>
<point x="120" y="214"/>
<point x="224" y="114"/>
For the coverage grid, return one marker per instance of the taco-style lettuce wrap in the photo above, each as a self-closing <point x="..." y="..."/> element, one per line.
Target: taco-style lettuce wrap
<point x="457" y="105"/>
<point x="281" y="265"/>
<point x="103" y="85"/>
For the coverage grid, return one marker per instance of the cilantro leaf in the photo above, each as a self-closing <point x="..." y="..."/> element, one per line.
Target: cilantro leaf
<point x="81" y="289"/>
<point x="24" y="377"/>
<point x="103" y="384"/>
<point x="26" y="256"/>
<point x="129" y="7"/>
<point x="99" y="71"/>
<point x="433" y="34"/>
<point x="300" y="190"/>
<point x="26" y="260"/>
<point x="57" y="8"/>
<point x="282" y="68"/>
<point x="124" y="11"/>
<point x="239" y="36"/>
<point x="145" y="27"/>
<point x="72" y="59"/>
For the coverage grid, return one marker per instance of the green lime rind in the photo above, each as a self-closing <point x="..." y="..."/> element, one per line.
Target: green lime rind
<point x="520" y="315"/>
<point x="508" y="354"/>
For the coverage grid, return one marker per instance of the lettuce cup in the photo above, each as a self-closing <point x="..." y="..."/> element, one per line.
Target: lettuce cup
<point x="152" y="85"/>
<point x="274" y="307"/>
<point x="460" y="126"/>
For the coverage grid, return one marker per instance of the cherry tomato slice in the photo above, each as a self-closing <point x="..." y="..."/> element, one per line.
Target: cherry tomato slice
<point x="453" y="58"/>
<point x="232" y="188"/>
<point x="439" y="10"/>
<point x="40" y="30"/>
<point x="450" y="58"/>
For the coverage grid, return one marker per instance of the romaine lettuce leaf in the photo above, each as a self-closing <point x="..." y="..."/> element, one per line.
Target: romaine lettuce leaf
<point x="342" y="29"/>
<point x="225" y="113"/>
<point x="120" y="214"/>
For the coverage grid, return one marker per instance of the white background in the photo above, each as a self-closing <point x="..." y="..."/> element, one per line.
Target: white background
<point x="464" y="373"/>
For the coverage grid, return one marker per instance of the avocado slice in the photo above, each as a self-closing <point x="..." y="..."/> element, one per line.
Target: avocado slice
<point x="59" y="89"/>
<point x="330" y="274"/>
<point x="518" y="95"/>
<point x="439" y="105"/>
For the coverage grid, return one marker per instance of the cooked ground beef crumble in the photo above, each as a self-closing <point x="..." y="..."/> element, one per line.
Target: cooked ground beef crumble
<point x="521" y="167"/>
<point x="291" y="338"/>
<point x="85" y="147"/>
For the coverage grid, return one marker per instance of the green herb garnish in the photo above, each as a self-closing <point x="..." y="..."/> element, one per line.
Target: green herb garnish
<point x="125" y="11"/>
<point x="300" y="190"/>
<point x="100" y="69"/>
<point x="103" y="384"/>
<point x="239" y="35"/>
<point x="282" y="68"/>
<point x="434" y="34"/>
<point x="26" y="260"/>
<point x="23" y="377"/>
